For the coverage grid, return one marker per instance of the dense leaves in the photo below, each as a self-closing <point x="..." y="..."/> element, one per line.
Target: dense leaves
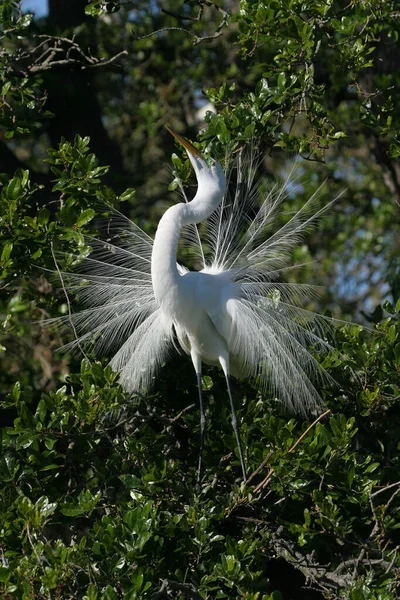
<point x="97" y="488"/>
<point x="98" y="497"/>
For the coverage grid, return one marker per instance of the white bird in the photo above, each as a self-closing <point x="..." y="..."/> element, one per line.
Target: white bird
<point x="235" y="312"/>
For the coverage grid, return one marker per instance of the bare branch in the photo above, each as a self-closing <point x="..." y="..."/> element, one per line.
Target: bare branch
<point x="260" y="467"/>
<point x="53" y="52"/>
<point x="323" y="577"/>
<point x="387" y="487"/>
<point x="148" y="35"/>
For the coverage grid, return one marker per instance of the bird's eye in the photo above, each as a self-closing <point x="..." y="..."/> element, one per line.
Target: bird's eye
<point x="210" y="162"/>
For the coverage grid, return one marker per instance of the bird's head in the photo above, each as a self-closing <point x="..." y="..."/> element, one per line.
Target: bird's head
<point x="208" y="171"/>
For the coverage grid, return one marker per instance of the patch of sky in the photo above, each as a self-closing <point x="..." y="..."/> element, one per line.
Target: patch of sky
<point x="38" y="7"/>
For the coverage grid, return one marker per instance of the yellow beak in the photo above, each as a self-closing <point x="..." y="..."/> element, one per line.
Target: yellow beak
<point x="185" y="143"/>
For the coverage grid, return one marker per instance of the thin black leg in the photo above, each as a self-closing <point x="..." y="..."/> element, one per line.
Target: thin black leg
<point x="236" y="428"/>
<point x="202" y="429"/>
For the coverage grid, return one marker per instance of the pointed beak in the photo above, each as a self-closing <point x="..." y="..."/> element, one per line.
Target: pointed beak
<point x="185" y="143"/>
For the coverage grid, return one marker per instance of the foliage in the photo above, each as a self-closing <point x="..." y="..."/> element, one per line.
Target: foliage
<point x="97" y="495"/>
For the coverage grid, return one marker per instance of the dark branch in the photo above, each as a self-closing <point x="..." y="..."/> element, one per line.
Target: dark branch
<point x="186" y="589"/>
<point x="53" y="52"/>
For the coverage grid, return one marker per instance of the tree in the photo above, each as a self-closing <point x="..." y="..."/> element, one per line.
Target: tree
<point x="97" y="493"/>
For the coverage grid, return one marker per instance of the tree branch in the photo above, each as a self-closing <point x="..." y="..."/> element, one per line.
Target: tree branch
<point x="54" y="51"/>
<point x="187" y="589"/>
<point x="180" y="17"/>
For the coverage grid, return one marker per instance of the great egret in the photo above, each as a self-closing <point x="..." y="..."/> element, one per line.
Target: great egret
<point x="235" y="312"/>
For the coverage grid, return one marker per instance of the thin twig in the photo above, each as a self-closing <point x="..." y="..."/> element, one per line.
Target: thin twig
<point x="32" y="544"/>
<point x="162" y="30"/>
<point x="73" y="61"/>
<point x="387" y="487"/>
<point x="197" y="39"/>
<point x="43" y="59"/>
<point x="182" y="412"/>
<point x="394" y="552"/>
<point x="261" y="485"/>
<point x="260" y="467"/>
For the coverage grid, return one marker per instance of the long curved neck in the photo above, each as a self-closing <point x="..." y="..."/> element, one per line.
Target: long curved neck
<point x="164" y="272"/>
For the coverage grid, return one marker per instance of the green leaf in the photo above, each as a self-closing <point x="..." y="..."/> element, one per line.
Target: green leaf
<point x="7" y="249"/>
<point x="127" y="195"/>
<point x="93" y="9"/>
<point x="85" y="217"/>
<point x="43" y="216"/>
<point x="176" y="160"/>
<point x="50" y="467"/>
<point x="131" y="481"/>
<point x="397" y="352"/>
<point x="71" y="510"/>
<point x="6" y="88"/>
<point x="91" y="593"/>
<point x="206" y="383"/>
<point x="26" y="20"/>
<point x="16" y="393"/>
<point x="13" y="188"/>
<point x="307" y="517"/>
<point x="350" y="475"/>
<point x="45" y="507"/>
<point x="281" y="80"/>
<point x="173" y="185"/>
<point x="109" y="593"/>
<point x="388" y="306"/>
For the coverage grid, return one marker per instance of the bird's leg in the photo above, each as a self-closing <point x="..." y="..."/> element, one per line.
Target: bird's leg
<point x="225" y="368"/>
<point x="202" y="429"/>
<point x="236" y="428"/>
<point x="196" y="360"/>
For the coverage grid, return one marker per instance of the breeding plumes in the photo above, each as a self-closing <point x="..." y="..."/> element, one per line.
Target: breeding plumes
<point x="236" y="312"/>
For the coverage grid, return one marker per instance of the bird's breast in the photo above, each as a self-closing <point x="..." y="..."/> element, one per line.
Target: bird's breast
<point x="197" y="308"/>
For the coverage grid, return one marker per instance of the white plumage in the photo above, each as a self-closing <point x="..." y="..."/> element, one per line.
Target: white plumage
<point x="236" y="312"/>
